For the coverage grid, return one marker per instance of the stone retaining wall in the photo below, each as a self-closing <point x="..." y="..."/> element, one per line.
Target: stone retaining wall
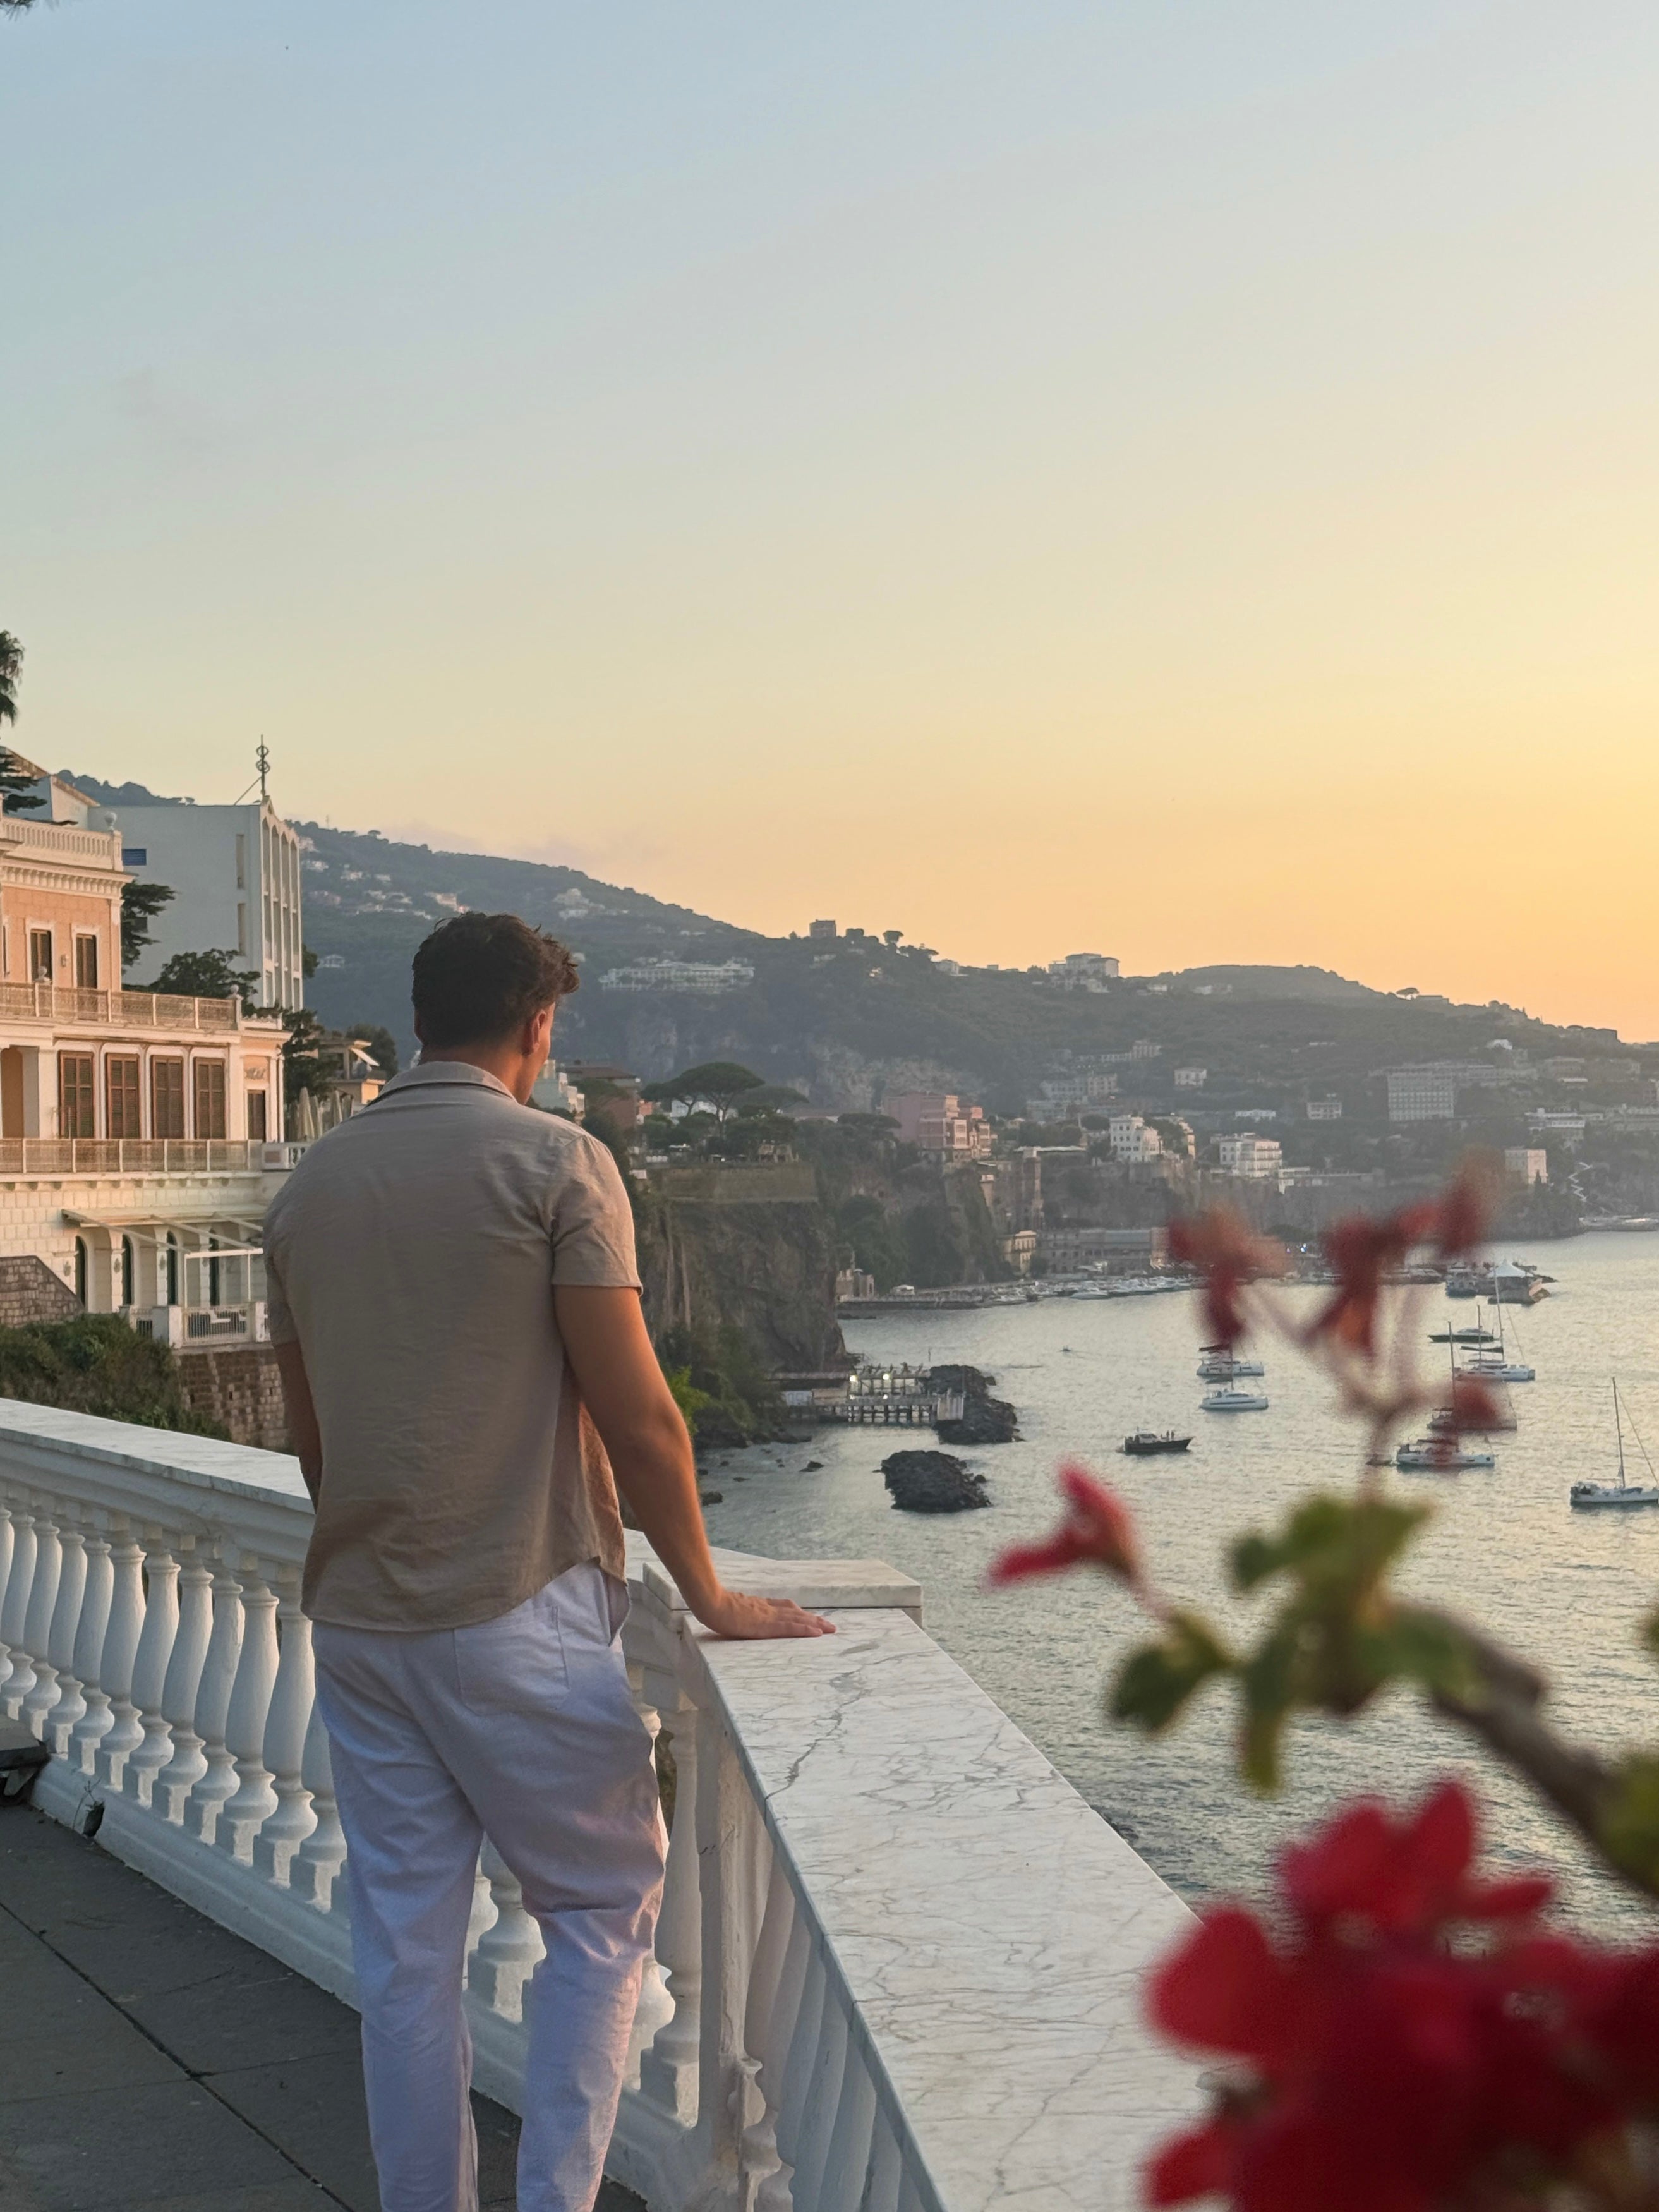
<point x="238" y="1385"/>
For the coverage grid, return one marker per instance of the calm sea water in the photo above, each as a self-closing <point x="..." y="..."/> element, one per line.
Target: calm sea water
<point x="1569" y="1590"/>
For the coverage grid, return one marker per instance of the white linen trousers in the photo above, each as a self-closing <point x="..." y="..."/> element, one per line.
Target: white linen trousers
<point x="521" y="1729"/>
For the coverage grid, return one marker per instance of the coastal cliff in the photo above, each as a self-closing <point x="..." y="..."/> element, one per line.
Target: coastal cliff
<point x="744" y="1247"/>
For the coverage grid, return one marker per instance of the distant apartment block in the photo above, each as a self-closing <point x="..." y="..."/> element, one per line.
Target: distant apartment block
<point x="235" y="875"/>
<point x="1084" y="971"/>
<point x="1070" y="1094"/>
<point x="1191" y="1078"/>
<point x="1133" y="1139"/>
<point x="1422" y="1094"/>
<point x="706" y="977"/>
<point x="554" y="1093"/>
<point x="1527" y="1163"/>
<point x="1063" y="1247"/>
<point x="1570" y="1128"/>
<point x="1246" y="1154"/>
<point x="1324" y="1109"/>
<point x="825" y="930"/>
<point x="939" y="1121"/>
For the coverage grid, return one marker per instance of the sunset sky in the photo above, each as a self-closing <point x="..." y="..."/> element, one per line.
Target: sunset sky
<point x="1178" y="480"/>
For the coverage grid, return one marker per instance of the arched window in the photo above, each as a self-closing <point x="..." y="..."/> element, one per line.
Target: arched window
<point x="128" y="1271"/>
<point x="81" y="1269"/>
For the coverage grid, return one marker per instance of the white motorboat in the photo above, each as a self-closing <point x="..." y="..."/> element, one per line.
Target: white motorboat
<point x="1227" y="1400"/>
<point x="1588" y="1495"/>
<point x="1440" y="1456"/>
<point x="1495" y="1364"/>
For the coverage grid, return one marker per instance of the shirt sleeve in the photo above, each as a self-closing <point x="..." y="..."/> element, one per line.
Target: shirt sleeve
<point x="279" y="1321"/>
<point x="592" y="1222"/>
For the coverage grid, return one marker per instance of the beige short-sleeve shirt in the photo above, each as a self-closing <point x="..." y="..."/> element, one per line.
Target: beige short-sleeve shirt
<point x="412" y="1254"/>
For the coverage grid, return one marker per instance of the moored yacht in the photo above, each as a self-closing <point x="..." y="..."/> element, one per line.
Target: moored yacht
<point x="1624" y="1491"/>
<point x="1225" y="1399"/>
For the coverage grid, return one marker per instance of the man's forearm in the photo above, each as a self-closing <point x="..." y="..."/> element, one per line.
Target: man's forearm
<point x="304" y="1432"/>
<point x="651" y="1458"/>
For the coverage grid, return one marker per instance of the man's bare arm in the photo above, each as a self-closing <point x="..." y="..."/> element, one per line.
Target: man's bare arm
<point x="304" y="1434"/>
<point x="634" y="1411"/>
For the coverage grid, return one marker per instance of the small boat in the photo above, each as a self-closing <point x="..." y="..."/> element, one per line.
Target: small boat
<point x="1495" y="1365"/>
<point x="1444" y="1422"/>
<point x="1624" y="1491"/>
<point x="1463" y="1336"/>
<point x="1145" y="1442"/>
<point x="1222" y="1367"/>
<point x="1440" y="1455"/>
<point x="1226" y="1400"/>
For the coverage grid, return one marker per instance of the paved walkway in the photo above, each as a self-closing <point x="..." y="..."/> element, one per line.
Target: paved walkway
<point x="149" y="2059"/>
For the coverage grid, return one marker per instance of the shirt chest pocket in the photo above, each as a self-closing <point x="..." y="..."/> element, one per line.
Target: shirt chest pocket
<point x="514" y="1664"/>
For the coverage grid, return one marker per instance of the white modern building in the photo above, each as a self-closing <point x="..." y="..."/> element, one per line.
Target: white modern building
<point x="1422" y="1094"/>
<point x="1246" y="1154"/>
<point x="235" y="875"/>
<point x="1191" y="1078"/>
<point x="1324" y="1109"/>
<point x="707" y="977"/>
<point x="1132" y="1138"/>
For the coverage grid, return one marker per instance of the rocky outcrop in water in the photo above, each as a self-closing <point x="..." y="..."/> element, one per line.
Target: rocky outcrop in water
<point x="985" y="1420"/>
<point x="933" y="1482"/>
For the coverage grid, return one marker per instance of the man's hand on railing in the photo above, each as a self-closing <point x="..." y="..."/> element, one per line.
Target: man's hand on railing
<point x="749" y="1618"/>
<point x="633" y="1409"/>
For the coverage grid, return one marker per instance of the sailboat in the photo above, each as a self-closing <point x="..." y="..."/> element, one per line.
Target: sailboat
<point x="1495" y="1365"/>
<point x="1624" y="1491"/>
<point x="1218" y="1364"/>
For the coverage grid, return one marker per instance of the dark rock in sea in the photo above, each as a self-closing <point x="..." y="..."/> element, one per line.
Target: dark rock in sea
<point x="812" y="1467"/>
<point x="985" y="1420"/>
<point x="933" y="1482"/>
<point x="713" y="1497"/>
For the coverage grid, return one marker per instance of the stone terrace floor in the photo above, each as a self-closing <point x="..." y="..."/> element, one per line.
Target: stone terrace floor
<point x="151" y="2060"/>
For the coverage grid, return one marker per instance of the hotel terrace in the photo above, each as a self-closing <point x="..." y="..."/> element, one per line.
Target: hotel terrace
<point x="140" y="1134"/>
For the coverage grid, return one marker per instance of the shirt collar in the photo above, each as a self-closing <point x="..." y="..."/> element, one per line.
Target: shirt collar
<point x="447" y="1072"/>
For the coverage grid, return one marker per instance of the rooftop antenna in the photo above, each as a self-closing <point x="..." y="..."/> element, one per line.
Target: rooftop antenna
<point x="261" y="760"/>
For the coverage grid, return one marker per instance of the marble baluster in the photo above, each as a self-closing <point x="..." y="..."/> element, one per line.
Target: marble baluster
<point x="126" y="1621"/>
<point x="655" y="2007"/>
<point x="799" y="2066"/>
<point x="313" y="1874"/>
<point x="822" y="2096"/>
<point x="149" y="1667"/>
<point x="81" y="1746"/>
<point x="773" y="2193"/>
<point x="171" y="1785"/>
<point x="847" y="2160"/>
<point x="885" y="2177"/>
<point x="242" y="1816"/>
<point x="217" y="1781"/>
<point x="19" y="1677"/>
<point x="7" y="1540"/>
<point x="509" y="1950"/>
<point x="668" y="2071"/>
<point x="57" y="1719"/>
<point x="766" y="2024"/>
<point x="27" y="1705"/>
<point x="285" y="1737"/>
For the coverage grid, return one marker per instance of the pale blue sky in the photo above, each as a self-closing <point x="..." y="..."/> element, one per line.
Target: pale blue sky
<point x="1046" y="475"/>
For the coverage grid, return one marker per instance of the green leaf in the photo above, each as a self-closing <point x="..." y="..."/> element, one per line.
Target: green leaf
<point x="1630" y="1823"/>
<point x="1268" y="1681"/>
<point x="1155" y="1682"/>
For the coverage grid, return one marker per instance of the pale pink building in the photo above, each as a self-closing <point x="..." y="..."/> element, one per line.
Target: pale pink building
<point x="938" y="1121"/>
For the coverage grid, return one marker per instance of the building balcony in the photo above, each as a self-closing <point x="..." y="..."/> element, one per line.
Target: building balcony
<point x="899" y="1961"/>
<point x="53" y="1158"/>
<point x="55" y="1007"/>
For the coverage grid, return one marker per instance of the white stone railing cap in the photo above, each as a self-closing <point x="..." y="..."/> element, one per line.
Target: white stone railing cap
<point x="820" y="1585"/>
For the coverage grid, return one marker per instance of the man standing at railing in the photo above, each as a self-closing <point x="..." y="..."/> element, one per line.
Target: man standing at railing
<point x="456" y="1313"/>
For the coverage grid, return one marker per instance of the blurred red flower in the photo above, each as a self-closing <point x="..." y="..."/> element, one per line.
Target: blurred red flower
<point x="1097" y="1531"/>
<point x="1390" y="2070"/>
<point x="1362" y="1250"/>
<point x="1222" y="1245"/>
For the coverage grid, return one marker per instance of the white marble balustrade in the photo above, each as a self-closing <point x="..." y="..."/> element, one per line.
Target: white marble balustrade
<point x="898" y="1964"/>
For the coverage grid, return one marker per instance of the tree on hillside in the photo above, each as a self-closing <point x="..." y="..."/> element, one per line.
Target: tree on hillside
<point x="205" y="975"/>
<point x="16" y="774"/>
<point x="140" y="904"/>
<point x="722" y="1082"/>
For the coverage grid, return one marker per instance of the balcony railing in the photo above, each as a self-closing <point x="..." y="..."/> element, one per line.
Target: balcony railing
<point x="898" y="1964"/>
<point x="142" y="1156"/>
<point x="101" y="848"/>
<point x="132" y="1010"/>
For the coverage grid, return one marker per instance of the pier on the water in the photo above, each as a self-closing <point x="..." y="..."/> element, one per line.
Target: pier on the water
<point x="873" y="1397"/>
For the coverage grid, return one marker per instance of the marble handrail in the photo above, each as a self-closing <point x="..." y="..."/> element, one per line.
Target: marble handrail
<point x="898" y="1961"/>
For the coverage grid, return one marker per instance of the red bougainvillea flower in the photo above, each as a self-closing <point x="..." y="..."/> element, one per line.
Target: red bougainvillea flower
<point x="1097" y="1531"/>
<point x="1362" y="1250"/>
<point x="1384" y="2068"/>
<point x="1221" y="1243"/>
<point x="1474" y="1409"/>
